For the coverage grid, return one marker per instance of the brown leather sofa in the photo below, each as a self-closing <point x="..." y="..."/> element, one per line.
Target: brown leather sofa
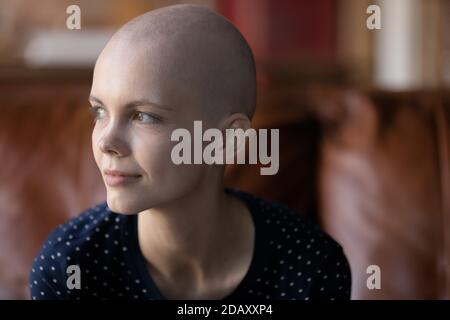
<point x="371" y="167"/>
<point x="384" y="190"/>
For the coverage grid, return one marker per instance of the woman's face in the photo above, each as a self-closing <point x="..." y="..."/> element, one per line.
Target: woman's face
<point x="137" y="103"/>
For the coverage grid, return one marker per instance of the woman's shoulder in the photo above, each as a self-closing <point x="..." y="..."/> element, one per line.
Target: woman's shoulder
<point x="94" y="220"/>
<point x="80" y="235"/>
<point x="77" y="242"/>
<point x="291" y="234"/>
<point x="285" y="223"/>
<point x="298" y="251"/>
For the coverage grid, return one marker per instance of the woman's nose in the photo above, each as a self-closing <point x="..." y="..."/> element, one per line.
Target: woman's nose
<point x="112" y="142"/>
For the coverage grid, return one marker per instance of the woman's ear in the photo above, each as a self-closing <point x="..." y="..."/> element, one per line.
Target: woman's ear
<point x="236" y="122"/>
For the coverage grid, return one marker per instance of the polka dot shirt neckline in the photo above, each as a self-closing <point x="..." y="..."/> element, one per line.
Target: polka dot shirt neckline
<point x="292" y="258"/>
<point x="136" y="258"/>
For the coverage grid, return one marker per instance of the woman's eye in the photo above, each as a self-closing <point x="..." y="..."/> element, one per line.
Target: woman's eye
<point x="145" y="117"/>
<point x="98" y="113"/>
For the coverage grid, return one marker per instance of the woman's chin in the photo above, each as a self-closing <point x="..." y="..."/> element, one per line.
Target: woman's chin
<point x="127" y="207"/>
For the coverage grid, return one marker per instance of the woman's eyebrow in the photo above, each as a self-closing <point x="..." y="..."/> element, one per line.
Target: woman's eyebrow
<point x="135" y="103"/>
<point x="92" y="98"/>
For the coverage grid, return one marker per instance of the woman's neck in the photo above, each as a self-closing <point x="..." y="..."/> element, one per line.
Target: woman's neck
<point x="205" y="235"/>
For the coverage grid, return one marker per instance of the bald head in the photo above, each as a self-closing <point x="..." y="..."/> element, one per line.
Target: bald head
<point x="187" y="53"/>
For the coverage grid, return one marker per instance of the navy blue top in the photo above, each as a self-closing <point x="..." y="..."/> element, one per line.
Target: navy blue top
<point x="292" y="258"/>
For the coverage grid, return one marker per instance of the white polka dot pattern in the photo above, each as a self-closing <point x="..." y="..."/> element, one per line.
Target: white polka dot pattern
<point x="293" y="258"/>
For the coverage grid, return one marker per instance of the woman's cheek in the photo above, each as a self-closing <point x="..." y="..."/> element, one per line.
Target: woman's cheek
<point x="95" y="149"/>
<point x="154" y="156"/>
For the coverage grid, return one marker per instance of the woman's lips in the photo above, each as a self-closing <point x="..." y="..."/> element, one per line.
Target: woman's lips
<point x="116" y="178"/>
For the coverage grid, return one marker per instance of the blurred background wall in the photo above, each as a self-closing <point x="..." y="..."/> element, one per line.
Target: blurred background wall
<point x="363" y="117"/>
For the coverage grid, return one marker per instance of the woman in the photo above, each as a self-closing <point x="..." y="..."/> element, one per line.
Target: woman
<point x="170" y="231"/>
